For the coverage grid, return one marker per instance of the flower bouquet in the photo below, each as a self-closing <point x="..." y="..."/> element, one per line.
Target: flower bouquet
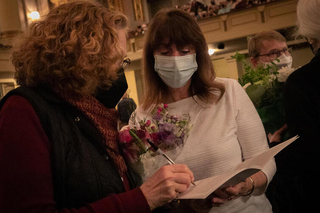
<point x="264" y="86"/>
<point x="168" y="132"/>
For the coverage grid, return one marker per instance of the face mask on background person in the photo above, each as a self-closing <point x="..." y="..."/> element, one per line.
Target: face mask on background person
<point x="175" y="71"/>
<point x="284" y="61"/>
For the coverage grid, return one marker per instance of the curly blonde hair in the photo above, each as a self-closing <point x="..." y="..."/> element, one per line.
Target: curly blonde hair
<point x="75" y="48"/>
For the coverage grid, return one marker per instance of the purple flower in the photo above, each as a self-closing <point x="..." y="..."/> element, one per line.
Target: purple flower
<point x="168" y="127"/>
<point x="174" y="118"/>
<point x="161" y="136"/>
<point x="170" y="139"/>
<point x="166" y="137"/>
<point x="160" y="128"/>
<point x="157" y="117"/>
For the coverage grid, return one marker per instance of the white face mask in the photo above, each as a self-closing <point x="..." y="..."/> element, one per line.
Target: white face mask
<point x="175" y="71"/>
<point x="285" y="61"/>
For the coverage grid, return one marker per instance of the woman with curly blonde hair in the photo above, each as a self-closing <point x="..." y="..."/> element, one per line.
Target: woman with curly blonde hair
<point x="58" y="131"/>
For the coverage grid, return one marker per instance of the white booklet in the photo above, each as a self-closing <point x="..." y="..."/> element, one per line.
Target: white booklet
<point x="203" y="188"/>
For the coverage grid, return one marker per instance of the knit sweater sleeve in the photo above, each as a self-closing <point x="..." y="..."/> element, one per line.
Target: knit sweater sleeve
<point x="251" y="134"/>
<point x="25" y="171"/>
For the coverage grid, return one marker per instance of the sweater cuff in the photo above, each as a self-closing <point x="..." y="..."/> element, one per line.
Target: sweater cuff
<point x="134" y="201"/>
<point x="269" y="170"/>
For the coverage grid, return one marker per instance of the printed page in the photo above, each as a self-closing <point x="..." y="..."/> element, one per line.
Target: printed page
<point x="245" y="169"/>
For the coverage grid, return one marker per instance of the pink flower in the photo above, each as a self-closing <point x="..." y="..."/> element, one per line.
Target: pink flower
<point x="159" y="109"/>
<point x="165" y="106"/>
<point x="154" y="137"/>
<point x="147" y="135"/>
<point x="141" y="134"/>
<point x="148" y="123"/>
<point x="124" y="136"/>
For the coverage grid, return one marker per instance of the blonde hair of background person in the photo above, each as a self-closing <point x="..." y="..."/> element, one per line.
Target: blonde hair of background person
<point x="203" y="80"/>
<point x="62" y="60"/>
<point x="256" y="43"/>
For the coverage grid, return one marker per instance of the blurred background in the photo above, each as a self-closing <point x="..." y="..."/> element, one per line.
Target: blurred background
<point x="226" y="24"/>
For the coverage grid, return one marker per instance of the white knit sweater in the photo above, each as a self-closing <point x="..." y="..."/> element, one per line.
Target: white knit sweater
<point x="222" y="136"/>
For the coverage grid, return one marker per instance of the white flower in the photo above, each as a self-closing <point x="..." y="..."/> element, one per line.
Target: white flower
<point x="284" y="73"/>
<point x="273" y="77"/>
<point x="246" y="85"/>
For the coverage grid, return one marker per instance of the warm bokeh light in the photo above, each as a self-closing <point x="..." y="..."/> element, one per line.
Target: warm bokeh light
<point x="34" y="15"/>
<point x="211" y="51"/>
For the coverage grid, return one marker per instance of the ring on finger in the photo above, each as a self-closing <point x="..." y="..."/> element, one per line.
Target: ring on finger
<point x="177" y="199"/>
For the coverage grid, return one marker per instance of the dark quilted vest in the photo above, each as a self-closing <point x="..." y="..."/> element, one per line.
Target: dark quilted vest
<point x="82" y="171"/>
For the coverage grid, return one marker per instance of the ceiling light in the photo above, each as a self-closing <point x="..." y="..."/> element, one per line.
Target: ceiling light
<point x="211" y="51"/>
<point x="34" y="15"/>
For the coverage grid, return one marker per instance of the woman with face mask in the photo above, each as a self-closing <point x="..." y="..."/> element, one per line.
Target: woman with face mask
<point x="226" y="127"/>
<point x="297" y="174"/>
<point x="58" y="131"/>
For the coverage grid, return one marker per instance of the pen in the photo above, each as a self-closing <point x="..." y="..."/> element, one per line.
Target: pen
<point x="156" y="148"/>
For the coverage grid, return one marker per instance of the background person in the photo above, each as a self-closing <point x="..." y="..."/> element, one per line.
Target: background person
<point x="267" y="46"/>
<point x="264" y="48"/>
<point x="298" y="164"/>
<point x="226" y="127"/>
<point x="58" y="140"/>
<point x="125" y="108"/>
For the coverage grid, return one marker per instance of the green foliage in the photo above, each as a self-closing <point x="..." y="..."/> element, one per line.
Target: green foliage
<point x="258" y="75"/>
<point x="255" y="92"/>
<point x="265" y="92"/>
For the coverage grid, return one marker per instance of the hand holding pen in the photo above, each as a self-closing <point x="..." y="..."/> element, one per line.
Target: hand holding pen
<point x="170" y="161"/>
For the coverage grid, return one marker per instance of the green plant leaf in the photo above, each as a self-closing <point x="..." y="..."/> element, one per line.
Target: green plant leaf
<point x="255" y="93"/>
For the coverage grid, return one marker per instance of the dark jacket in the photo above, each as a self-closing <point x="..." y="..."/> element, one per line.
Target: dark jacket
<point x="81" y="168"/>
<point x="298" y="165"/>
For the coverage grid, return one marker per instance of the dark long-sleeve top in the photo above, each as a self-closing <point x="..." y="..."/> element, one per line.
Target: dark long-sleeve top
<point x="25" y="172"/>
<point x="302" y="105"/>
<point x="298" y="164"/>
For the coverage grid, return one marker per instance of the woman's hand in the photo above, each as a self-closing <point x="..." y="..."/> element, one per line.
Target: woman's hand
<point x="221" y="196"/>
<point x="276" y="136"/>
<point x="166" y="184"/>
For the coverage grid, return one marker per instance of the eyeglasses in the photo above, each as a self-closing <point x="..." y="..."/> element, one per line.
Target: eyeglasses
<point x="277" y="53"/>
<point x="126" y="62"/>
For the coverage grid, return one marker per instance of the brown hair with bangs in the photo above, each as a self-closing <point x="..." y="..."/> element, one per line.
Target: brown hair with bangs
<point x="177" y="27"/>
<point x="75" y="48"/>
